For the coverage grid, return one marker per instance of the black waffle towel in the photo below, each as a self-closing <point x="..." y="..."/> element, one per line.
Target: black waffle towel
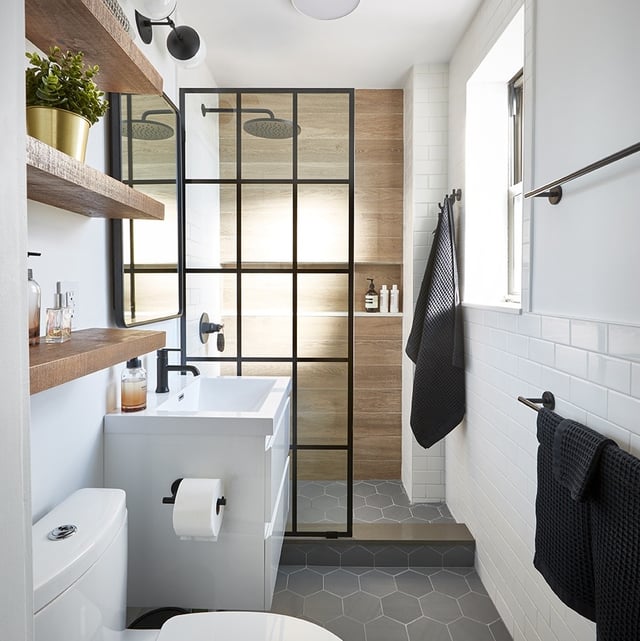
<point x="563" y="530"/>
<point x="615" y="522"/>
<point x="436" y="342"/>
<point x="576" y="456"/>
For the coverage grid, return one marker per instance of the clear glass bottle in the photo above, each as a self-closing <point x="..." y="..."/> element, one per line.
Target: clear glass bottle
<point x="133" y="387"/>
<point x="34" y="297"/>
<point x="371" y="298"/>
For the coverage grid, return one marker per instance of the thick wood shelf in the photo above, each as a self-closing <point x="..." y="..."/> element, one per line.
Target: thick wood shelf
<point x="54" y="178"/>
<point x="87" y="351"/>
<point x="90" y="27"/>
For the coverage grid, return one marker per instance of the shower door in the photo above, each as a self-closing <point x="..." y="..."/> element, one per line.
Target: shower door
<point x="269" y="210"/>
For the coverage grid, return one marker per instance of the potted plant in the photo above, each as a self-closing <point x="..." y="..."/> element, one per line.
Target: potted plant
<point x="63" y="101"/>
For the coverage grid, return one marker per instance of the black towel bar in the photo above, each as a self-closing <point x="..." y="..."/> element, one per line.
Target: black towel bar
<point x="548" y="401"/>
<point x="553" y="190"/>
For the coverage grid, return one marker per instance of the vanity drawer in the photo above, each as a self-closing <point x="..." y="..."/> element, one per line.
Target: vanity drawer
<point x="276" y="453"/>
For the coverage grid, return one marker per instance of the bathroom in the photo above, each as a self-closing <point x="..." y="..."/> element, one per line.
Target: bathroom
<point x="577" y="335"/>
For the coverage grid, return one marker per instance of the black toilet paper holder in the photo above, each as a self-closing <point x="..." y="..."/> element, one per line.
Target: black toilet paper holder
<point x="170" y="500"/>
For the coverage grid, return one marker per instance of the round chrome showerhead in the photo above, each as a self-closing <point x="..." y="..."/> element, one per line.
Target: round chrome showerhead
<point x="272" y="128"/>
<point x="144" y="129"/>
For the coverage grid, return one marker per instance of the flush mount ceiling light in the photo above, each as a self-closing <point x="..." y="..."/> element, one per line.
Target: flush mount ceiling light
<point x="325" y="9"/>
<point x="183" y="42"/>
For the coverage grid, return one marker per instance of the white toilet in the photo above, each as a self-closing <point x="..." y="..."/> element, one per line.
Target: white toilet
<point x="79" y="572"/>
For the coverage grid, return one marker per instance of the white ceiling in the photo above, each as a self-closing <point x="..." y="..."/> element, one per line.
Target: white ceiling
<point x="268" y="43"/>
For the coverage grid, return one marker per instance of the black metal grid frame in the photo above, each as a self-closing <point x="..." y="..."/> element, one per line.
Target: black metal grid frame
<point x="295" y="270"/>
<point x="118" y="269"/>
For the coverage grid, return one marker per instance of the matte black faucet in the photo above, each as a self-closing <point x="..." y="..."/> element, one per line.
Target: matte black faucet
<point x="163" y="368"/>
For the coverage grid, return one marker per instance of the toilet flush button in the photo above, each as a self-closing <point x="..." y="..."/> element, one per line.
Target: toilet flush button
<point x="62" y="532"/>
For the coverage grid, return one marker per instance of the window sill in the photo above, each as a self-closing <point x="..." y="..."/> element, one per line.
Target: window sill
<point x="508" y="308"/>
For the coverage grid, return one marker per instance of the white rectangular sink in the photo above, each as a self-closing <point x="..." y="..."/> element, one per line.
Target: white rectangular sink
<point x="242" y="405"/>
<point x="221" y="394"/>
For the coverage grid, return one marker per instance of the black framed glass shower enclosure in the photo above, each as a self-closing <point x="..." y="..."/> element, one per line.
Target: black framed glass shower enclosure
<point x="269" y="220"/>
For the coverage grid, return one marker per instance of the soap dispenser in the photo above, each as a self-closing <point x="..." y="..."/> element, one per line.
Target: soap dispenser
<point x="34" y="297"/>
<point x="133" y="387"/>
<point x="371" y="298"/>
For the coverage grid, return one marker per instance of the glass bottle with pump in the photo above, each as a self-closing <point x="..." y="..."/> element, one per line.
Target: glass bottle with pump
<point x="371" y="298"/>
<point x="133" y="387"/>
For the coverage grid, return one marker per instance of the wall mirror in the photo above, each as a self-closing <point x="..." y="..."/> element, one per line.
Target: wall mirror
<point x="147" y="254"/>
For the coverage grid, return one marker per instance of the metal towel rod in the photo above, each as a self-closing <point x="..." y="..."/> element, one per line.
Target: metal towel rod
<point x="548" y="401"/>
<point x="553" y="190"/>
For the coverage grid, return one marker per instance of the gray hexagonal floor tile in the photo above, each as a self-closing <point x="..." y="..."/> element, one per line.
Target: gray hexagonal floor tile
<point x="390" y="488"/>
<point x="500" y="632"/>
<point x="377" y="583"/>
<point x="362" y="607"/>
<point x="413" y="583"/>
<point x="341" y="583"/>
<point x="346" y="629"/>
<point x="378" y="500"/>
<point x="478" y="607"/>
<point x="337" y="489"/>
<point x="449" y="583"/>
<point x="425" y="512"/>
<point x="324" y="502"/>
<point x="440" y="607"/>
<point x="386" y="629"/>
<point x="337" y="514"/>
<point x="287" y="603"/>
<point x="363" y="489"/>
<point x="467" y="630"/>
<point x="425" y="629"/>
<point x="305" y="582"/>
<point x="367" y="514"/>
<point x="397" y="513"/>
<point x="322" y="607"/>
<point x="401" y="607"/>
<point x="310" y="490"/>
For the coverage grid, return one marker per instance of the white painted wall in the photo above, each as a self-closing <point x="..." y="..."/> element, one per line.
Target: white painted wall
<point x="576" y="55"/>
<point x="426" y="98"/>
<point x="16" y="602"/>
<point x="66" y="421"/>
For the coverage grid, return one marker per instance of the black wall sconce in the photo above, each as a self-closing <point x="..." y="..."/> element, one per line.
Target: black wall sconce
<point x="183" y="42"/>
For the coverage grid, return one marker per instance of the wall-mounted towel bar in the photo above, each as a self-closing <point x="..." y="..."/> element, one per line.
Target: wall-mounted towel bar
<point x="548" y="401"/>
<point x="457" y="194"/>
<point x="553" y="190"/>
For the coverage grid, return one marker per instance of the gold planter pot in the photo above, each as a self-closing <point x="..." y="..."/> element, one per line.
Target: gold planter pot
<point x="61" y="129"/>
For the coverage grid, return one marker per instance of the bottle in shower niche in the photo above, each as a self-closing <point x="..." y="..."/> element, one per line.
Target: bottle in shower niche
<point x="133" y="387"/>
<point x="394" y="299"/>
<point x="371" y="298"/>
<point x="384" y="300"/>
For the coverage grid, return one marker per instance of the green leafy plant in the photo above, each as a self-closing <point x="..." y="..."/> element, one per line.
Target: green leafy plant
<point x="62" y="80"/>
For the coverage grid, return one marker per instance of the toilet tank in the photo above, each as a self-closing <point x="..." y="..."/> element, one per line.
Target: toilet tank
<point x="79" y="582"/>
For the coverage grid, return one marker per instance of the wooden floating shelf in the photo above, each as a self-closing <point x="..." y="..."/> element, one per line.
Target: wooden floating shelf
<point x="57" y="179"/>
<point x="90" y="27"/>
<point x="87" y="351"/>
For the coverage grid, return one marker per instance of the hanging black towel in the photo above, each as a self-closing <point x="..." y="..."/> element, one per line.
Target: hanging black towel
<point x="615" y="522"/>
<point x="576" y="457"/>
<point x="563" y="530"/>
<point x="436" y="342"/>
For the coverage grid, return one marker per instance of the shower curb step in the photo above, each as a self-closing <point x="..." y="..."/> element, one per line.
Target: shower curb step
<point x="386" y="545"/>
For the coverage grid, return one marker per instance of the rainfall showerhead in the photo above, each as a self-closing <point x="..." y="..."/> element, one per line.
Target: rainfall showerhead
<point x="271" y="127"/>
<point x="144" y="129"/>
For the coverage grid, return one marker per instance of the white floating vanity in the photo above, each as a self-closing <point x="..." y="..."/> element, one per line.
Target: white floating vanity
<point x="233" y="428"/>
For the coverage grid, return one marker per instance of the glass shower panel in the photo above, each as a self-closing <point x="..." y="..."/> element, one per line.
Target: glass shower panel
<point x="267" y="224"/>
<point x="265" y="117"/>
<point x="323" y="403"/>
<point x="323" y="324"/>
<point x="214" y="294"/>
<point x="323" y="145"/>
<point x="267" y="315"/>
<point x="322" y="490"/>
<point x="323" y="224"/>
<point x="210" y="138"/>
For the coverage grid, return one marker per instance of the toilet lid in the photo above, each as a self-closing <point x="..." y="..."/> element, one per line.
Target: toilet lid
<point x="241" y="626"/>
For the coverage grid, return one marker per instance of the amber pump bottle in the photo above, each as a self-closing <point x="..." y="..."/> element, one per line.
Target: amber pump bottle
<point x="371" y="298"/>
<point x="133" y="387"/>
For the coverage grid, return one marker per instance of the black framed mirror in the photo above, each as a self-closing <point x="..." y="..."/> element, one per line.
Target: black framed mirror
<point x="147" y="255"/>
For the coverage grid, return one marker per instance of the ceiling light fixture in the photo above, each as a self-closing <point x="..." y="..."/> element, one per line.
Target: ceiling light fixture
<point x="325" y="9"/>
<point x="183" y="42"/>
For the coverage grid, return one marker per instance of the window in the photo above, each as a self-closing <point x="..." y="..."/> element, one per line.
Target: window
<point x="514" y="222"/>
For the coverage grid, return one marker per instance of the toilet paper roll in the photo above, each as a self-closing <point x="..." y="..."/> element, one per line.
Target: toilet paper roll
<point x="198" y="511"/>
